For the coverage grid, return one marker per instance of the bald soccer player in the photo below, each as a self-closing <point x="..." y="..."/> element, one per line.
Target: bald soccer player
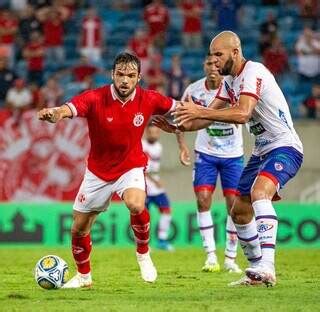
<point x="254" y="98"/>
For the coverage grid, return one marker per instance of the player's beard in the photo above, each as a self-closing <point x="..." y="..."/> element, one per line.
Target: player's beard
<point x="124" y="95"/>
<point x="227" y="68"/>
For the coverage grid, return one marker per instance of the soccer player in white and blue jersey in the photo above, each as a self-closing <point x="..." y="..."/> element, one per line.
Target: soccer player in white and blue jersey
<point x="218" y="151"/>
<point x="156" y="193"/>
<point x="257" y="100"/>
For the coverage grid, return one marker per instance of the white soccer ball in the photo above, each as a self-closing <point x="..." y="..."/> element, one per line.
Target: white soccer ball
<point x="51" y="272"/>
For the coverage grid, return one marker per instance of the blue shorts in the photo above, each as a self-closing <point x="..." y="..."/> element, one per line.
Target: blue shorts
<point x="280" y="165"/>
<point x="207" y="168"/>
<point x="161" y="201"/>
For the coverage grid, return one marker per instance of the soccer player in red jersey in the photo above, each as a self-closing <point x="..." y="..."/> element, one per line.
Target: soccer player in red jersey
<point x="117" y="115"/>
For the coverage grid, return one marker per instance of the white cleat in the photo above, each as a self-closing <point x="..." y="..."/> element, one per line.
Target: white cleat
<point x="245" y="281"/>
<point x="79" y="281"/>
<point x="262" y="274"/>
<point x="147" y="269"/>
<point x="231" y="266"/>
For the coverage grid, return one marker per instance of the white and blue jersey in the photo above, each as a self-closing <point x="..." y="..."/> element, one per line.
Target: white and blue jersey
<point x="278" y="151"/>
<point x="155" y="195"/>
<point x="218" y="148"/>
<point x="271" y="122"/>
<point x="220" y="139"/>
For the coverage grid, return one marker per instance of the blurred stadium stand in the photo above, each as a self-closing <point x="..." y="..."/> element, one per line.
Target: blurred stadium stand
<point x="119" y="25"/>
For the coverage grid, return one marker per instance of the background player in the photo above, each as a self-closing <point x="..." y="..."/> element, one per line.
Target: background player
<point x="218" y="150"/>
<point x="156" y="193"/>
<point x="117" y="115"/>
<point x="255" y="99"/>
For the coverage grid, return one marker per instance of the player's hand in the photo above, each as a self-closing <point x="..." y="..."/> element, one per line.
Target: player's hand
<point x="185" y="156"/>
<point x="49" y="114"/>
<point x="186" y="112"/>
<point x="162" y="123"/>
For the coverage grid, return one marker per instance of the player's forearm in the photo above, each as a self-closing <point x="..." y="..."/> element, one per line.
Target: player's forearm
<point x="230" y="115"/>
<point x="64" y="111"/>
<point x="55" y="114"/>
<point x="195" y="124"/>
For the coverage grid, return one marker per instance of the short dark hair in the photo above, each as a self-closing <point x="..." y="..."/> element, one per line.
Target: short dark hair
<point x="126" y="58"/>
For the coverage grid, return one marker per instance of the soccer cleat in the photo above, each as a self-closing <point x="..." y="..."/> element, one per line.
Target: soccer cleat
<point x="262" y="274"/>
<point x="147" y="269"/>
<point x="165" y="245"/>
<point x="231" y="266"/>
<point x="211" y="267"/>
<point x="79" y="281"/>
<point x="245" y="281"/>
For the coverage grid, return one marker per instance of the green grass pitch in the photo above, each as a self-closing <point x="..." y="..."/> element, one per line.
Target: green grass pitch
<point x="181" y="286"/>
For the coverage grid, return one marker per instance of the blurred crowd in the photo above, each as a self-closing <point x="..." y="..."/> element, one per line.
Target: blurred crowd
<point x="53" y="49"/>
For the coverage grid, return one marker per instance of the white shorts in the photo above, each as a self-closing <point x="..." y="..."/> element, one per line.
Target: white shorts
<point x="95" y="194"/>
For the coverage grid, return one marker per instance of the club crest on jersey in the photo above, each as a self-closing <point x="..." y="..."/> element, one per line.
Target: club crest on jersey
<point x="138" y="119"/>
<point x="278" y="166"/>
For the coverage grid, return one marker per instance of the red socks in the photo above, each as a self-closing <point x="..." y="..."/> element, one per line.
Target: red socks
<point x="81" y="245"/>
<point x="81" y="249"/>
<point x="140" y="224"/>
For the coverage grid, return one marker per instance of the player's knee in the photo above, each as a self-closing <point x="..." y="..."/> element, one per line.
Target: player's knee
<point x="258" y="194"/>
<point x="134" y="206"/>
<point x="203" y="201"/>
<point x="241" y="212"/>
<point x="79" y="232"/>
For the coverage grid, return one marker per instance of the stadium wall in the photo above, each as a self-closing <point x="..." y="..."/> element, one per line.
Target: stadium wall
<point x="44" y="162"/>
<point x="49" y="225"/>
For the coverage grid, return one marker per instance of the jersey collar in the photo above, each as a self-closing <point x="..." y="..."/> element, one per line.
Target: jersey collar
<point x="115" y="96"/>
<point x="241" y="69"/>
<point x="206" y="86"/>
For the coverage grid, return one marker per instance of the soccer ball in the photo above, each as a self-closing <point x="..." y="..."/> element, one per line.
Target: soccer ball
<point x="51" y="272"/>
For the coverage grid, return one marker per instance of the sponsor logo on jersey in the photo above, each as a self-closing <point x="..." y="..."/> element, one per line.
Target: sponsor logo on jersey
<point x="258" y="86"/>
<point x="278" y="166"/>
<point x="220" y="132"/>
<point x="261" y="142"/>
<point x="264" y="227"/>
<point x="138" y="119"/>
<point x="257" y="129"/>
<point x="109" y="119"/>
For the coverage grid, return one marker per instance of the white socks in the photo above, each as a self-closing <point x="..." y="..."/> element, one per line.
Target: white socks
<point x="164" y="226"/>
<point x="231" y="239"/>
<point x="249" y="241"/>
<point x="206" y="227"/>
<point x="267" y="225"/>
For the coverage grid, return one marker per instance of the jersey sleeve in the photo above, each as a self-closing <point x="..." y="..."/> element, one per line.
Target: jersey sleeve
<point x="162" y="104"/>
<point x="80" y="104"/>
<point x="252" y="84"/>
